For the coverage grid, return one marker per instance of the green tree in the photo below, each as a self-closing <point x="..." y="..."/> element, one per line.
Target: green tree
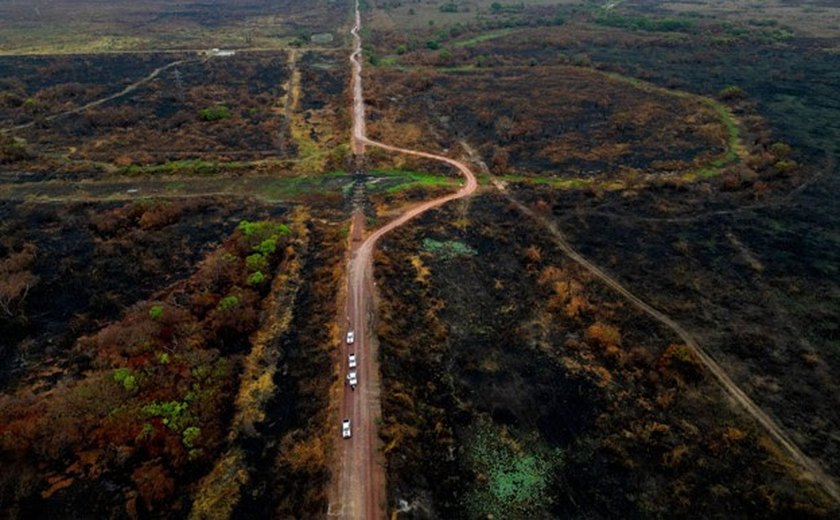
<point x="215" y="113"/>
<point x="267" y="246"/>
<point x="156" y="312"/>
<point x="256" y="262"/>
<point x="780" y="150"/>
<point x="126" y="379"/>
<point x="229" y="302"/>
<point x="190" y="435"/>
<point x="256" y="278"/>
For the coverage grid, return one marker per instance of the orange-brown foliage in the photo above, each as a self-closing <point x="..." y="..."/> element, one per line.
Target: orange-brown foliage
<point x="603" y="334"/>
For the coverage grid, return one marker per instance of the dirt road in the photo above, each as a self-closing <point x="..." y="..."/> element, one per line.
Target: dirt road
<point x="359" y="486"/>
<point x="811" y="470"/>
<point x="359" y="128"/>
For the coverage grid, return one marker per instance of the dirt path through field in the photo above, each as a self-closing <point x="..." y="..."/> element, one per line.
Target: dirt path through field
<point x="93" y="104"/>
<point x="812" y="470"/>
<point x="359" y="484"/>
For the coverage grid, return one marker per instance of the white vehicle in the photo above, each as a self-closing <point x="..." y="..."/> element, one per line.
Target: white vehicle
<point x="351" y="361"/>
<point x="345" y="428"/>
<point x="350" y="337"/>
<point x="352" y="380"/>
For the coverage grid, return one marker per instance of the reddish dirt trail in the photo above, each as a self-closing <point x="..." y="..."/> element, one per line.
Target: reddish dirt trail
<point x="359" y="128"/>
<point x="360" y="482"/>
<point x="359" y="486"/>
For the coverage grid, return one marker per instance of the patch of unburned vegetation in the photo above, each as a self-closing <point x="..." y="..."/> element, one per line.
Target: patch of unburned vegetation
<point x="448" y="250"/>
<point x="514" y="477"/>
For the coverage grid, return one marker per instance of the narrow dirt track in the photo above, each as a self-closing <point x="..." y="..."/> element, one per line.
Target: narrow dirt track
<point x="359" y="127"/>
<point x="812" y="470"/>
<point x="359" y="489"/>
<point x="93" y="104"/>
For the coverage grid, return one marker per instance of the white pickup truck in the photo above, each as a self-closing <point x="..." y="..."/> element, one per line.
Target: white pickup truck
<point x="351" y="361"/>
<point x="345" y="428"/>
<point x="350" y="337"/>
<point x="352" y="380"/>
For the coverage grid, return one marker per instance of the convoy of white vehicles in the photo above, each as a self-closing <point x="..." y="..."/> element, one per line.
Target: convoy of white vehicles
<point x="352" y="380"/>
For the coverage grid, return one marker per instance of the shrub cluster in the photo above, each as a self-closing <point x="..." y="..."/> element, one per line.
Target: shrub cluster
<point x="159" y="382"/>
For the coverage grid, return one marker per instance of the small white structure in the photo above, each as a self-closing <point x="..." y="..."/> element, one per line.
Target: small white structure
<point x="222" y="53"/>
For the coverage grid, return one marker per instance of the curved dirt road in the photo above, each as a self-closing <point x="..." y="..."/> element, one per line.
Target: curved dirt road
<point x="359" y="486"/>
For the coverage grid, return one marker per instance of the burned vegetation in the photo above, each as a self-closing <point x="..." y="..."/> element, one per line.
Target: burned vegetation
<point x="171" y="357"/>
<point x="681" y="153"/>
<point x="123" y="406"/>
<point x="558" y="121"/>
<point x="548" y="395"/>
<point x="186" y="108"/>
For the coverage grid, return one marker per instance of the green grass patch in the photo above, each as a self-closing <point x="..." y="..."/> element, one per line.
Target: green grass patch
<point x="387" y="61"/>
<point x="448" y="250"/>
<point x="733" y="141"/>
<point x="516" y="477"/>
<point x="215" y="113"/>
<point x="290" y="187"/>
<point x="643" y="23"/>
<point x="492" y="35"/>
<point x="409" y="179"/>
<point x="409" y="185"/>
<point x="186" y="166"/>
